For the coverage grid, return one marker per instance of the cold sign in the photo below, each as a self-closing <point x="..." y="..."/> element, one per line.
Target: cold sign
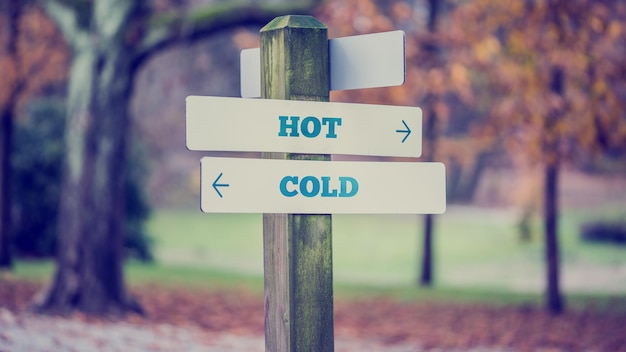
<point x="311" y="186"/>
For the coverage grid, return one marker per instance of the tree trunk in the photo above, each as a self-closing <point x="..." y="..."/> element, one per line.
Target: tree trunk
<point x="426" y="277"/>
<point x="89" y="275"/>
<point x="554" y="300"/>
<point x="430" y="139"/>
<point x="13" y="11"/>
<point x="466" y="193"/>
<point x="6" y="137"/>
<point x="427" y="268"/>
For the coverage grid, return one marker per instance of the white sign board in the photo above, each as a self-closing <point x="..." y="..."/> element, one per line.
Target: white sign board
<point x="234" y="185"/>
<point x="356" y="62"/>
<point x="236" y="124"/>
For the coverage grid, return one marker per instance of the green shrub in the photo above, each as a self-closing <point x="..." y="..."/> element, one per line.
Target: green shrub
<point x="37" y="162"/>
<point x="604" y="232"/>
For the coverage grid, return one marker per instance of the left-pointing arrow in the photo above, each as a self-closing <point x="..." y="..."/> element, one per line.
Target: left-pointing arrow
<point x="216" y="184"/>
<point x="407" y="131"/>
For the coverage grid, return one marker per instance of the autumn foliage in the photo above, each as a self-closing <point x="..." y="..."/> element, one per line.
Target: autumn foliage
<point x="32" y="57"/>
<point x="515" y="47"/>
<point x="497" y="58"/>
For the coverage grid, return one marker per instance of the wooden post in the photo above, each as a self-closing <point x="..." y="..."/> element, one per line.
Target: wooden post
<point x="297" y="248"/>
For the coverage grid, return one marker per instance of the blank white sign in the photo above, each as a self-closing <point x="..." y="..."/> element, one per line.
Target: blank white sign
<point x="356" y="62"/>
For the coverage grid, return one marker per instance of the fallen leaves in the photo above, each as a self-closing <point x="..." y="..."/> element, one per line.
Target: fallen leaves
<point x="428" y="325"/>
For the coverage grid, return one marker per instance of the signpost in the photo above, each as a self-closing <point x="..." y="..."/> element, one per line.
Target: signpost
<point x="297" y="192"/>
<point x="314" y="187"/>
<point x="234" y="124"/>
<point x="297" y="248"/>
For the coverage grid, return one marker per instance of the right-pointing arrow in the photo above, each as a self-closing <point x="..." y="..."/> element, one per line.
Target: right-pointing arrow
<point x="407" y="131"/>
<point x="215" y="185"/>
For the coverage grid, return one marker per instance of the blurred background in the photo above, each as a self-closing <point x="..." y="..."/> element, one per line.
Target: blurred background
<point x="524" y="102"/>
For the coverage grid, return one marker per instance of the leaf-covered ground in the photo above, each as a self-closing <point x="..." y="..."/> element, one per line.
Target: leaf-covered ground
<point x="425" y="325"/>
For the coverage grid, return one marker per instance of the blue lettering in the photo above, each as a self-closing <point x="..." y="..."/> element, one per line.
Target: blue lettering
<point x="284" y="126"/>
<point x="332" y="122"/>
<point x="306" y="123"/>
<point x="354" y="186"/>
<point x="310" y="126"/>
<point x="283" y="186"/>
<point x="310" y="186"/>
<point x="315" y="186"/>
<point x="326" y="186"/>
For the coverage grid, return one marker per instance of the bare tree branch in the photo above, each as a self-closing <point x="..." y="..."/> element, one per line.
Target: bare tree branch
<point x="173" y="28"/>
<point x="64" y="16"/>
<point x="108" y="23"/>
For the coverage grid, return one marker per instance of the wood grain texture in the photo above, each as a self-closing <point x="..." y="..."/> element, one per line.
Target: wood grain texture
<point x="297" y="248"/>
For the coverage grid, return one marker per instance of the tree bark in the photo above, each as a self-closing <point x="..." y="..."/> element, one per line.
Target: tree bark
<point x="426" y="276"/>
<point x="430" y="139"/>
<point x="13" y="11"/>
<point x="6" y="137"/>
<point x="554" y="299"/>
<point x="427" y="269"/>
<point x="89" y="273"/>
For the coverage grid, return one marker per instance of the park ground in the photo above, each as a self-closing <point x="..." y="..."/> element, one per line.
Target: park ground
<point x="205" y="291"/>
<point x="232" y="319"/>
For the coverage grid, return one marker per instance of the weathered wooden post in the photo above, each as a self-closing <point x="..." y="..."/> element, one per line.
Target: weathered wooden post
<point x="297" y="248"/>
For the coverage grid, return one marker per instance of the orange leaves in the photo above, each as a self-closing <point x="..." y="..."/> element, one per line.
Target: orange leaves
<point x="427" y="74"/>
<point x="460" y="82"/>
<point x="43" y="49"/>
<point x="615" y="30"/>
<point x="429" y="325"/>
<point x="585" y="39"/>
<point x="469" y="327"/>
<point x="402" y="11"/>
<point x="436" y="81"/>
<point x="40" y="58"/>
<point x="486" y="50"/>
<point x="245" y="39"/>
<point x="9" y="77"/>
<point x="502" y="55"/>
<point x="353" y="17"/>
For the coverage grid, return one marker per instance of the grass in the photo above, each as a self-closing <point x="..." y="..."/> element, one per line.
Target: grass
<point x="478" y="257"/>
<point x="139" y="273"/>
<point x="474" y="248"/>
<point x="190" y="278"/>
<point x="225" y="241"/>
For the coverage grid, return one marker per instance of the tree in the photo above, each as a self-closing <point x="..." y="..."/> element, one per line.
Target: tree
<point x="555" y="73"/>
<point x="110" y="41"/>
<point x="31" y="58"/>
<point x="431" y="133"/>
